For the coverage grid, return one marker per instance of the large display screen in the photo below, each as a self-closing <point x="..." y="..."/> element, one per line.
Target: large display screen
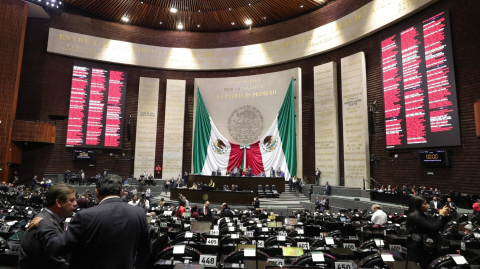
<point x="97" y="107"/>
<point x="419" y="87"/>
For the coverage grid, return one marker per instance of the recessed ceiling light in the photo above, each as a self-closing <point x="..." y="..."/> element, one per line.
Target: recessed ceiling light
<point x="161" y="22"/>
<point x="180" y="26"/>
<point x="301" y="6"/>
<point x="249" y="4"/>
<point x="141" y="2"/>
<point x="173" y="10"/>
<point x="125" y="18"/>
<point x="58" y="2"/>
<point x="199" y="10"/>
<point x="264" y="18"/>
<point x="248" y="22"/>
<point x="233" y="23"/>
<point x="228" y="8"/>
<point x="198" y="26"/>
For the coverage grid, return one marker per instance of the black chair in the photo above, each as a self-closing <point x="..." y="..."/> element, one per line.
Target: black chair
<point x="376" y="260"/>
<point x="190" y="252"/>
<point x="237" y="256"/>
<point x="306" y="260"/>
<point x="275" y="193"/>
<point x="446" y="262"/>
<point x="268" y="191"/>
<point x="260" y="191"/>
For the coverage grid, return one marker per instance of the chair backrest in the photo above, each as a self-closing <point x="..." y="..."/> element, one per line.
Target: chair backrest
<point x="267" y="187"/>
<point x="274" y="187"/>
<point x="260" y="187"/>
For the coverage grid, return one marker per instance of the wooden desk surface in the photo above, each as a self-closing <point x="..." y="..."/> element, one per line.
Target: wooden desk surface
<point x="200" y="196"/>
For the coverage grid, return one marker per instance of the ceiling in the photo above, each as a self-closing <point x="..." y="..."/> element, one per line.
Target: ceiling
<point x="198" y="15"/>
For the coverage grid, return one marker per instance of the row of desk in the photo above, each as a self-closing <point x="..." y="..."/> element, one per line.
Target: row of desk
<point x="243" y="183"/>
<point x="214" y="196"/>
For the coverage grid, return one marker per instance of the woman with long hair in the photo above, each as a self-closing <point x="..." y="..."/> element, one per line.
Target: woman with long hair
<point x="424" y="230"/>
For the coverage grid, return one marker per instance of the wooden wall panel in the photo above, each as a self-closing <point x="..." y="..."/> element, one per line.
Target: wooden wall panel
<point x="13" y="18"/>
<point x="33" y="132"/>
<point x="45" y="90"/>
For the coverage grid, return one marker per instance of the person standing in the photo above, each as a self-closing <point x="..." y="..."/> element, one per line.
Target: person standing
<point x="379" y="217"/>
<point x="424" y="230"/>
<point x="476" y="208"/>
<point x="142" y="185"/>
<point x="250" y="171"/>
<point x="82" y="177"/>
<point x="317" y="176"/>
<point x="111" y="235"/>
<point x="323" y="205"/>
<point x="185" y="179"/>
<point x="272" y="172"/>
<point x="279" y="171"/>
<point x="328" y="189"/>
<point x="148" y="192"/>
<point x="59" y="204"/>
<point x="256" y="203"/>
<point x="317" y="204"/>
<point x="158" y="169"/>
<point x="165" y="185"/>
<point x="34" y="183"/>
<point x="310" y="192"/>
<point x="290" y="183"/>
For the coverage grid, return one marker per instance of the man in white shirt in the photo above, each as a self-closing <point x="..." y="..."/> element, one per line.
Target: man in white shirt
<point x="148" y="192"/>
<point x="134" y="201"/>
<point x="379" y="217"/>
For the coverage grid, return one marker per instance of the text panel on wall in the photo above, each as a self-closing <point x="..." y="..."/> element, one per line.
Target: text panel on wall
<point x="419" y="88"/>
<point x="97" y="107"/>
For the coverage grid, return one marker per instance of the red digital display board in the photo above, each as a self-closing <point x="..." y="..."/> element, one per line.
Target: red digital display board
<point x="419" y="89"/>
<point x="97" y="107"/>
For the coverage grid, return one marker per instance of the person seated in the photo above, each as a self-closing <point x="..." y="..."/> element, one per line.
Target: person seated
<point x="181" y="209"/>
<point x="195" y="214"/>
<point x="194" y="186"/>
<point x="48" y="183"/>
<point x="234" y="188"/>
<point x="225" y="188"/>
<point x="435" y="205"/>
<point x="211" y="184"/>
<point x="452" y="206"/>
<point x="162" y="202"/>
<point x="379" y="217"/>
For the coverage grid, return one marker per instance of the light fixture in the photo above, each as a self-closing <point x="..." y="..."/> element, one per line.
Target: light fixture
<point x="301" y="6"/>
<point x="264" y="18"/>
<point x="125" y="18"/>
<point x="248" y="22"/>
<point x="161" y="22"/>
<point x="60" y="2"/>
<point x="228" y="8"/>
<point x="141" y="2"/>
<point x="233" y="23"/>
<point x="249" y="4"/>
<point x="53" y="1"/>
<point x="180" y="26"/>
<point x="198" y="26"/>
<point x="199" y="10"/>
<point x="173" y="10"/>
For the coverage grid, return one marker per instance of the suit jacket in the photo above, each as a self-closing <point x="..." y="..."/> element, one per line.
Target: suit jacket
<point x="209" y="212"/>
<point x="432" y="206"/>
<point x="272" y="173"/>
<point x="256" y="203"/>
<point x="32" y="253"/>
<point x="317" y="204"/>
<point x="235" y="188"/>
<point x="111" y="235"/>
<point x="453" y="205"/>
<point x="328" y="189"/>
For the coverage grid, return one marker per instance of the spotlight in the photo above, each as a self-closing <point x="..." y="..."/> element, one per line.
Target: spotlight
<point x="161" y="22"/>
<point x="233" y="23"/>
<point x="58" y="2"/>
<point x="141" y="2"/>
<point x="301" y="6"/>
<point x="248" y="22"/>
<point x="125" y="19"/>
<point x="173" y="10"/>
<point x="228" y="8"/>
<point x="180" y="26"/>
<point x="198" y="26"/>
<point x="199" y="10"/>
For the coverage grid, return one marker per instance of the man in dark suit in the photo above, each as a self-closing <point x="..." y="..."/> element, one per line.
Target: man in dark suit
<point x="206" y="210"/>
<point x="185" y="178"/>
<point x="36" y="198"/>
<point x="178" y="184"/>
<point x="317" y="204"/>
<point x="34" y="183"/>
<point x="272" y="172"/>
<point x="234" y="187"/>
<point x="111" y="235"/>
<point x="249" y="171"/>
<point x="435" y="205"/>
<point x="256" y="203"/>
<point x="59" y="204"/>
<point x="328" y="189"/>
<point x="452" y="206"/>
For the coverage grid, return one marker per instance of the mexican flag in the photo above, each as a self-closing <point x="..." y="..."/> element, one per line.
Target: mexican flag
<point x="278" y="147"/>
<point x="211" y="150"/>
